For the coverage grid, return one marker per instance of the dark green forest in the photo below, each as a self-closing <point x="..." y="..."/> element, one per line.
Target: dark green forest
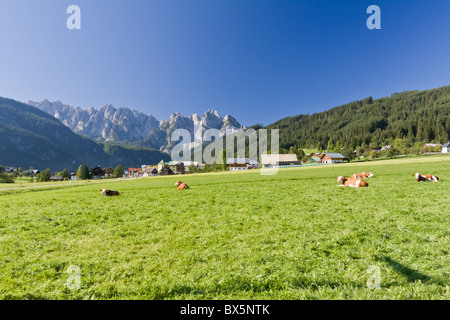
<point x="410" y="118"/>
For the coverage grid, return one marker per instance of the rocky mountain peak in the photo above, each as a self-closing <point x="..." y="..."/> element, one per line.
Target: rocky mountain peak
<point x="125" y="124"/>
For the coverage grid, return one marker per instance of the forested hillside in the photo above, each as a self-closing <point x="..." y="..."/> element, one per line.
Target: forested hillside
<point x="414" y="116"/>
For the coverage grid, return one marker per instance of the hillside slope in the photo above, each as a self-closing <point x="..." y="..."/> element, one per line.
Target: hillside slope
<point x="419" y="116"/>
<point x="31" y="137"/>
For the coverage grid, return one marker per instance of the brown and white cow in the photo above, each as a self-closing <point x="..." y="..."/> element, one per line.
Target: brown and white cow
<point x="426" y="177"/>
<point x="181" y="185"/>
<point x="109" y="193"/>
<point x="363" y="175"/>
<point x="352" y="182"/>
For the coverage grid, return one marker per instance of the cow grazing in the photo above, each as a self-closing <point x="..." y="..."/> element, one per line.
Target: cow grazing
<point x="426" y="177"/>
<point x="181" y="185"/>
<point x="109" y="193"/>
<point x="363" y="175"/>
<point x="352" y="182"/>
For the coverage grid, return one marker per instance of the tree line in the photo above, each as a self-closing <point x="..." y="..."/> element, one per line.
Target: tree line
<point x="405" y="120"/>
<point x="83" y="173"/>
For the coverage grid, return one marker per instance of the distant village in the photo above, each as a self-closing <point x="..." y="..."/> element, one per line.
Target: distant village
<point x="163" y="168"/>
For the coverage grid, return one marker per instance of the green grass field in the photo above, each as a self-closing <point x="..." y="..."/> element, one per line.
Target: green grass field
<point x="240" y="235"/>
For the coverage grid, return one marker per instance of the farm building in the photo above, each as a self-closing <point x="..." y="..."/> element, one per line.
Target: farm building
<point x="242" y="164"/>
<point x="446" y="147"/>
<point x="315" y="157"/>
<point x="165" y="171"/>
<point x="149" y="171"/>
<point x="431" y="145"/>
<point x="176" y="166"/>
<point x="331" y="158"/>
<point x="269" y="160"/>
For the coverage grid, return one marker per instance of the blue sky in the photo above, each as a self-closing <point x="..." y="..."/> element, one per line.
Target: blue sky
<point x="257" y="60"/>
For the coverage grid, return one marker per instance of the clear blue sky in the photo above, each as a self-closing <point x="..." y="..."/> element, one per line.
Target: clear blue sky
<point x="257" y="60"/>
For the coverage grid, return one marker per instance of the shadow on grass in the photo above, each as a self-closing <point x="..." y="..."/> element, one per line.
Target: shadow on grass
<point x="410" y="274"/>
<point x="244" y="286"/>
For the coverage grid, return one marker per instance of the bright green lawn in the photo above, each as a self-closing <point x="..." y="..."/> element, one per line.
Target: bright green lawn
<point x="294" y="235"/>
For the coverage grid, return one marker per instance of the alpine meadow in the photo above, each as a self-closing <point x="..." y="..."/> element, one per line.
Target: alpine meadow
<point x="293" y="235"/>
<point x="227" y="158"/>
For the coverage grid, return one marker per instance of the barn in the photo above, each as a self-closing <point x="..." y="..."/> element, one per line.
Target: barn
<point x="315" y="157"/>
<point x="270" y="160"/>
<point x="332" y="158"/>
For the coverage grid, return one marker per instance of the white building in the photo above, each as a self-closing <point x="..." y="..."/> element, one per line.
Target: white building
<point x="271" y="160"/>
<point x="446" y="148"/>
<point x="242" y="164"/>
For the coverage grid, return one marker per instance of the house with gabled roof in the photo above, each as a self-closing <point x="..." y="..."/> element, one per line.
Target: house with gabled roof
<point x="270" y="160"/>
<point x="332" y="157"/>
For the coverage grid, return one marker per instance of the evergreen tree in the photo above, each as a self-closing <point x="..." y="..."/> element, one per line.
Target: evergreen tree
<point x="330" y="146"/>
<point x="83" y="172"/>
<point x="65" y="174"/>
<point x="118" y="171"/>
<point x="319" y="147"/>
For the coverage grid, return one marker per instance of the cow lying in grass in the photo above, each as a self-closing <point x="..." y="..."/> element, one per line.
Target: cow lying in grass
<point x="109" y="193"/>
<point x="181" y="185"/>
<point x="363" y="175"/>
<point x="352" y="182"/>
<point x="426" y="177"/>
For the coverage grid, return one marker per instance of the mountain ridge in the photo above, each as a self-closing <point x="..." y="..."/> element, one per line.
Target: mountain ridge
<point x="32" y="137"/>
<point x="128" y="125"/>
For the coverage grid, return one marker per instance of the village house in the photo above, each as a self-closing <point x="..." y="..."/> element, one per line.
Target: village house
<point x="315" y="157"/>
<point x="242" y="164"/>
<point x="134" y="172"/>
<point x="271" y="160"/>
<point x="431" y="145"/>
<point x="176" y="166"/>
<point x="34" y="172"/>
<point x="150" y="171"/>
<point x="56" y="178"/>
<point x="332" y="158"/>
<point x="446" y="148"/>
<point x="196" y="164"/>
<point x="98" y="173"/>
<point x="165" y="171"/>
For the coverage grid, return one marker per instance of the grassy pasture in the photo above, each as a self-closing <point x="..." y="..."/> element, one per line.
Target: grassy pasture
<point x="234" y="235"/>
